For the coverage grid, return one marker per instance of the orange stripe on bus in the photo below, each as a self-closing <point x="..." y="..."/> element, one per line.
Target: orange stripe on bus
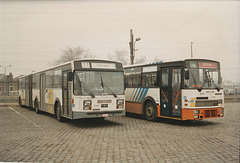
<point x="175" y="100"/>
<point x="158" y="110"/>
<point x="164" y="95"/>
<point x="133" y="107"/>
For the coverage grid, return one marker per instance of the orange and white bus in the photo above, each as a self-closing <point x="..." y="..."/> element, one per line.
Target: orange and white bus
<point x="183" y="90"/>
<point x="87" y="88"/>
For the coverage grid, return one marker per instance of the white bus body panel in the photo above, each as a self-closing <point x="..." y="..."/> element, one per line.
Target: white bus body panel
<point x="35" y="95"/>
<point x="139" y="94"/>
<point x="102" y="106"/>
<point x="207" y="98"/>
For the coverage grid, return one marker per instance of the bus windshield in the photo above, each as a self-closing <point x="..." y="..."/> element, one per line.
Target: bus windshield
<point x="203" y="77"/>
<point x="98" y="83"/>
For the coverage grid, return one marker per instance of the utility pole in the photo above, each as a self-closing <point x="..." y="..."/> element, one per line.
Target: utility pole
<point x="132" y="47"/>
<point x="191" y="50"/>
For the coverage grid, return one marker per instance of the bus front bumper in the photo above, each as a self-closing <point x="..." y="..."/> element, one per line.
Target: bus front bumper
<point x="100" y="114"/>
<point x="198" y="114"/>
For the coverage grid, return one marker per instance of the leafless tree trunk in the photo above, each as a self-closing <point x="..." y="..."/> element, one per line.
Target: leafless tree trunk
<point x="72" y="53"/>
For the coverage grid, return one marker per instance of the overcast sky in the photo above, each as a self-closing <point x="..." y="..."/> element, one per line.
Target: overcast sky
<point x="32" y="33"/>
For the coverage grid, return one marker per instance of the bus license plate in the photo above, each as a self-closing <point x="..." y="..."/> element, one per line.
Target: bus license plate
<point x="104" y="115"/>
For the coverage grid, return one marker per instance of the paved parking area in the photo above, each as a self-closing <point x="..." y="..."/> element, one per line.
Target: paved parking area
<point x="27" y="136"/>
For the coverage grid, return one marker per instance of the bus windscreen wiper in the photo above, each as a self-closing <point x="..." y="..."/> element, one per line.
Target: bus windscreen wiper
<point x="85" y="87"/>
<point x="103" y="84"/>
<point x="209" y="81"/>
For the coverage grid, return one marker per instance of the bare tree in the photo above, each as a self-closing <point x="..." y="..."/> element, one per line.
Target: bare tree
<point x="141" y="59"/>
<point x="72" y="53"/>
<point x="124" y="57"/>
<point x="120" y="56"/>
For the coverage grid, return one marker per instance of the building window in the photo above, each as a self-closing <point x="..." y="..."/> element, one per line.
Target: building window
<point x="10" y="88"/>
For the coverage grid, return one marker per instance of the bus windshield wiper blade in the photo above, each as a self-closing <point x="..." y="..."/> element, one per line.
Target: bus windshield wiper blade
<point x="85" y="87"/>
<point x="103" y="84"/>
<point x="200" y="89"/>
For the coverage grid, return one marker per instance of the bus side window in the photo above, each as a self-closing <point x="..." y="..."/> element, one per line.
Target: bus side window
<point x="144" y="79"/>
<point x="128" y="80"/>
<point x="165" y="77"/>
<point x="49" y="79"/>
<point x="154" y="78"/>
<point x="133" y="77"/>
<point x="176" y="77"/>
<point x="150" y="79"/>
<point x="57" y="78"/>
<point x="137" y="80"/>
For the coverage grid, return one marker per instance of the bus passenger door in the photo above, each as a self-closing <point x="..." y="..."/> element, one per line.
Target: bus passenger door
<point x="170" y="87"/>
<point x="176" y="85"/>
<point x="27" y="91"/>
<point x="165" y="92"/>
<point x="42" y="91"/>
<point x="66" y="95"/>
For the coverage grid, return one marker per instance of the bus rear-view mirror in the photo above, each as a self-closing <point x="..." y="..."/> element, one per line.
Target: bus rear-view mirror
<point x="186" y="74"/>
<point x="70" y="76"/>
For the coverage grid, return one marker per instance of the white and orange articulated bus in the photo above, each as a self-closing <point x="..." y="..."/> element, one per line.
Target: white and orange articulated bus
<point x="184" y="90"/>
<point x="87" y="88"/>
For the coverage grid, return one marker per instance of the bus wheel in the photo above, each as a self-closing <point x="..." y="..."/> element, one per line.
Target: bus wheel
<point x="20" y="101"/>
<point x="150" y="112"/>
<point x="37" y="108"/>
<point x="58" y="113"/>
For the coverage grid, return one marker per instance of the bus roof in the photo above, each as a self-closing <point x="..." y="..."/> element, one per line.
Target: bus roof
<point x="69" y="62"/>
<point x="168" y="62"/>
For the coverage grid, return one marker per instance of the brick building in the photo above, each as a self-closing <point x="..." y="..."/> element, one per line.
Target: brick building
<point x="8" y="85"/>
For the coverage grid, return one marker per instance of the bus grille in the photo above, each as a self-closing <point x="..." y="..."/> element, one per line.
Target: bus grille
<point x="210" y="113"/>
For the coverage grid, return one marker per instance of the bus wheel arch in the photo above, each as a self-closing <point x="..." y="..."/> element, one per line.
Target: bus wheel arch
<point x="149" y="109"/>
<point x="20" y="101"/>
<point x="36" y="106"/>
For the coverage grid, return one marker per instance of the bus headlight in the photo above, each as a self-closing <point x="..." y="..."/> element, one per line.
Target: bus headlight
<point x="120" y="104"/>
<point x="195" y="111"/>
<point x="195" y="116"/>
<point x="87" y="105"/>
<point x="120" y="101"/>
<point x="87" y="102"/>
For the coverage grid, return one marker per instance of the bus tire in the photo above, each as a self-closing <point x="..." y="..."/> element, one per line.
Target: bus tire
<point x="150" y="112"/>
<point x="20" y="101"/>
<point x="37" y="107"/>
<point x="59" y="113"/>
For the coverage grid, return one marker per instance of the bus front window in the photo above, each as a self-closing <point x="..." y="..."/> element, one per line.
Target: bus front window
<point x="203" y="78"/>
<point x="98" y="83"/>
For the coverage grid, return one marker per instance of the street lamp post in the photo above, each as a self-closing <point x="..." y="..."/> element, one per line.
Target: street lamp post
<point x="5" y="73"/>
<point x="132" y="47"/>
<point x="191" y="50"/>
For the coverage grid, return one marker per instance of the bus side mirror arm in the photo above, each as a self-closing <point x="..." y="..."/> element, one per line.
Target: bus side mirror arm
<point x="70" y="76"/>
